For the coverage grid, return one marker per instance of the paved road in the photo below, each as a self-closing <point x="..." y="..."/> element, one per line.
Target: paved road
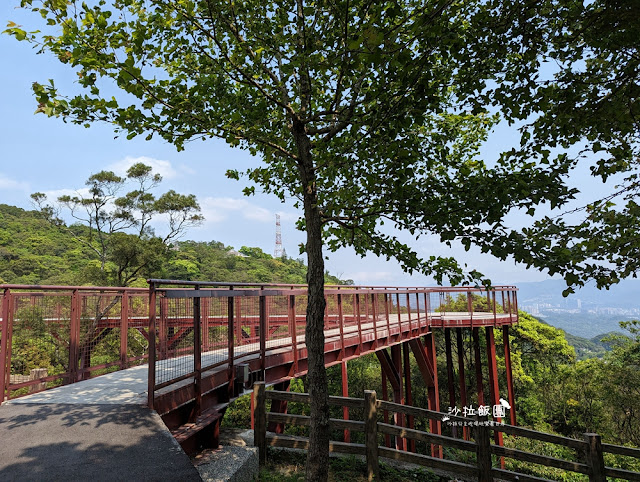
<point x="68" y="442"/>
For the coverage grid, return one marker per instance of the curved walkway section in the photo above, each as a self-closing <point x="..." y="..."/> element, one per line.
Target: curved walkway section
<point x="110" y="442"/>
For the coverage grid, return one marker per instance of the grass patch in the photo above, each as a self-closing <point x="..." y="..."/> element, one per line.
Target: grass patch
<point x="288" y="466"/>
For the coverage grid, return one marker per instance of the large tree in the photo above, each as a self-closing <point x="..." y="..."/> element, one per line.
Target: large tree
<point x="115" y="226"/>
<point x="364" y="112"/>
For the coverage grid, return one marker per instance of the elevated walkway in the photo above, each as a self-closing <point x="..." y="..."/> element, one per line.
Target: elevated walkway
<point x="206" y="343"/>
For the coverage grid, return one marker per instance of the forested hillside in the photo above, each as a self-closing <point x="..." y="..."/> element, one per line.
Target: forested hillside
<point x="35" y="251"/>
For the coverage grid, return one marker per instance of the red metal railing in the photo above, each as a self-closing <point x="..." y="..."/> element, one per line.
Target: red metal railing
<point x="199" y="329"/>
<point x="55" y="335"/>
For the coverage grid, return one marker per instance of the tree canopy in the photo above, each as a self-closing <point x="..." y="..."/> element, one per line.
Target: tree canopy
<point x="116" y="227"/>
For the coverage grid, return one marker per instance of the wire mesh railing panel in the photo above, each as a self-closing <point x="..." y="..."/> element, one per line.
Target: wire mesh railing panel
<point x="215" y="330"/>
<point x="437" y="305"/>
<point x="246" y="337"/>
<point x="479" y="302"/>
<point x="278" y="334"/>
<point x="417" y="306"/>
<point x="300" y="314"/>
<point x="138" y="310"/>
<point x="332" y="313"/>
<point x="175" y="339"/>
<point x="99" y="332"/>
<point x="382" y="308"/>
<point x="39" y="342"/>
<point x="349" y="319"/>
<point x="366" y="309"/>
<point x="392" y="299"/>
<point x="137" y="322"/>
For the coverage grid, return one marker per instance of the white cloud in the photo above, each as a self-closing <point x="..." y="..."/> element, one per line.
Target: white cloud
<point x="218" y="209"/>
<point x="184" y="169"/>
<point x="56" y="193"/>
<point x="163" y="168"/>
<point x="12" y="184"/>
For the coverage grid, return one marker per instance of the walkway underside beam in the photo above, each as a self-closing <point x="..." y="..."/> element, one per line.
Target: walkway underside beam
<point x="424" y="364"/>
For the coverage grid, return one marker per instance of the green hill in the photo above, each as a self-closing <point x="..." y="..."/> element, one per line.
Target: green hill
<point x="33" y="251"/>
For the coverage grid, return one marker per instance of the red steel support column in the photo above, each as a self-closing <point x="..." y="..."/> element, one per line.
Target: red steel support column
<point x="151" y="385"/>
<point x="396" y="357"/>
<point x="493" y="382"/>
<point x="345" y="393"/>
<point x="407" y="390"/>
<point x="124" y="328"/>
<point x="4" y="345"/>
<point x="507" y="362"/>
<point x="450" y="380"/>
<point x="478" y="363"/>
<point x="434" y="399"/>
<point x="462" y="378"/>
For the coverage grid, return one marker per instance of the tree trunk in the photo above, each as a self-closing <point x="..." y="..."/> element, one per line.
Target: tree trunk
<point x="318" y="455"/>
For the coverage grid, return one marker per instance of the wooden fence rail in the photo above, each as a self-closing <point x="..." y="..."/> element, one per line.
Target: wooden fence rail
<point x="591" y="450"/>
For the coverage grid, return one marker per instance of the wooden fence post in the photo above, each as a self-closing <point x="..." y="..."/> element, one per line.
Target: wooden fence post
<point x="371" y="434"/>
<point x="483" y="450"/>
<point x="595" y="460"/>
<point x="260" y="421"/>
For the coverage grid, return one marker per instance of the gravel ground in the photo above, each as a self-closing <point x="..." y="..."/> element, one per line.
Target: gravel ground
<point x="236" y="460"/>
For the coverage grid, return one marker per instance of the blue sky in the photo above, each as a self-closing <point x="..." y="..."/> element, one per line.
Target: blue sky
<point x="43" y="154"/>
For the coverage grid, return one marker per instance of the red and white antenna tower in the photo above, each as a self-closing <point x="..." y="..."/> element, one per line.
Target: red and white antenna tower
<point x="277" y="253"/>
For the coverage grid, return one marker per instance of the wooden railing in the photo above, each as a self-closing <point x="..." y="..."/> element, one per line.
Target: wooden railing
<point x="589" y="451"/>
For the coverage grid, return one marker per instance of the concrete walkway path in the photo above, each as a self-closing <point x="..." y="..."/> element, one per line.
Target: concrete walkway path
<point x="107" y="442"/>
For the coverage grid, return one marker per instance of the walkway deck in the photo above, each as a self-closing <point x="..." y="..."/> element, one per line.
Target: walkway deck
<point x="110" y="442"/>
